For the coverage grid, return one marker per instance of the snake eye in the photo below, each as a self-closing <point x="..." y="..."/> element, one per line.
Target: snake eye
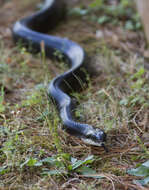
<point x="98" y="136"/>
<point x="101" y="136"/>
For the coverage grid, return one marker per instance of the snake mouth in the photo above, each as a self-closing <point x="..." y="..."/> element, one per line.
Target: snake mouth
<point x="91" y="141"/>
<point x="94" y="143"/>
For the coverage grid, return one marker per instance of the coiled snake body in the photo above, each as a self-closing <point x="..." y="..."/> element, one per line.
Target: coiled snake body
<point x="30" y="31"/>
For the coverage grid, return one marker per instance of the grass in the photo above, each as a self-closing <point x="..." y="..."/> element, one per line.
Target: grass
<point x="116" y="13"/>
<point x="37" y="154"/>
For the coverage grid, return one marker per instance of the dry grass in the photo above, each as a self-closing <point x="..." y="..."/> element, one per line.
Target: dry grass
<point x="116" y="101"/>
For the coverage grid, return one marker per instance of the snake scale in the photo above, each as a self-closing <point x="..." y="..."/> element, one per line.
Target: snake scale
<point x="31" y="32"/>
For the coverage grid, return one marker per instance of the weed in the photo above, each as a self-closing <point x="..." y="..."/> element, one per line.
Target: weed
<point x="122" y="13"/>
<point x="35" y="153"/>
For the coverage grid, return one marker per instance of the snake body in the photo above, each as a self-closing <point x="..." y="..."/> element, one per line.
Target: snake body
<point x="31" y="31"/>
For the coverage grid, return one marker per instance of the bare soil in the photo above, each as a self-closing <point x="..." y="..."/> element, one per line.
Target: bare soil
<point x="27" y="71"/>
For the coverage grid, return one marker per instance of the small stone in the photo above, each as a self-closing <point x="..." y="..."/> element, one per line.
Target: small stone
<point x="99" y="34"/>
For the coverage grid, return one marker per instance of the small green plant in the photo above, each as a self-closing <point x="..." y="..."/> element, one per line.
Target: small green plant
<point x="62" y="164"/>
<point x="137" y="82"/>
<point x="141" y="171"/>
<point x="53" y="127"/>
<point x="33" y="98"/>
<point x="122" y="13"/>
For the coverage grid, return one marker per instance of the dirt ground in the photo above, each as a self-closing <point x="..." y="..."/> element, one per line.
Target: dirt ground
<point x="122" y="143"/>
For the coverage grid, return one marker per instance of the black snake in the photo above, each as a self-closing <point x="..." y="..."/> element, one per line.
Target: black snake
<point x="31" y="32"/>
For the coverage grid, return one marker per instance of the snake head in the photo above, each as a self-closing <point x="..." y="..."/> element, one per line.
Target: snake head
<point x="95" y="137"/>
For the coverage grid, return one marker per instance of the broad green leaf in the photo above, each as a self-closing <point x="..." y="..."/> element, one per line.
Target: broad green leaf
<point x="89" y="159"/>
<point x="38" y="164"/>
<point x="31" y="162"/>
<point x="73" y="160"/>
<point x="79" y="163"/>
<point x="146" y="164"/>
<point x="50" y="160"/>
<point x="53" y="161"/>
<point x="141" y="171"/>
<point x="103" y="19"/>
<point x="3" y="170"/>
<point x="53" y="172"/>
<point x="84" y="170"/>
<point x="124" y="102"/>
<point x="65" y="156"/>
<point x="142" y="182"/>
